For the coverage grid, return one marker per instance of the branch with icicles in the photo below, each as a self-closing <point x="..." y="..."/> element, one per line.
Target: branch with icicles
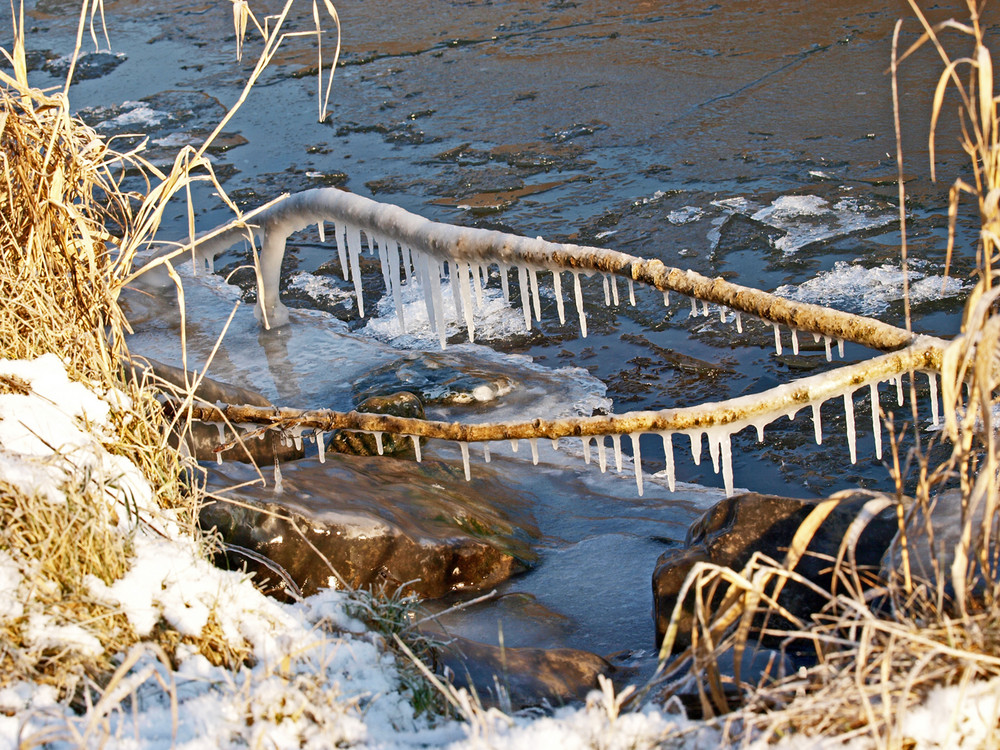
<point x="413" y="249"/>
<point x="716" y="422"/>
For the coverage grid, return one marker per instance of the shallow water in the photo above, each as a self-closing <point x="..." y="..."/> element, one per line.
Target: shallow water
<point x="736" y="139"/>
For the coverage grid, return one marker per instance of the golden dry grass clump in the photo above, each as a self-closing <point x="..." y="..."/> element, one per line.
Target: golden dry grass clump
<point x="61" y="271"/>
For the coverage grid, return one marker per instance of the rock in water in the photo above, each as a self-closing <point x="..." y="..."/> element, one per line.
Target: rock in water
<point x="527" y="676"/>
<point x="376" y="522"/>
<point x="737" y="527"/>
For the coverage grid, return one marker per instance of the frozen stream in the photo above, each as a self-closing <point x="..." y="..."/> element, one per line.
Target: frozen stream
<point x="737" y="139"/>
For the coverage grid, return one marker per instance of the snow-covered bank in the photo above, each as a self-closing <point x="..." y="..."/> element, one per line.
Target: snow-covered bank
<point x="314" y="676"/>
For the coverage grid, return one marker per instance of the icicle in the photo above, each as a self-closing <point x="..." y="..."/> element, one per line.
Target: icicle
<point x="465" y="460"/>
<point x="278" y="486"/>
<point x="378" y="443"/>
<point x="666" y="299"/>
<point x="815" y="338"/>
<point x="602" y="454"/>
<point x="423" y="271"/>
<point x="522" y="280"/>
<point x="616" y="443"/>
<point x="392" y="252"/>
<point x="416" y="447"/>
<point x="535" y="297"/>
<point x="218" y="457"/>
<point x="631" y="298"/>
<point x="437" y="296"/>
<point x="477" y="284"/>
<point x="876" y="422"/>
<point x="466" y="295"/>
<point x="695" y="447"/>
<point x="586" y="449"/>
<point x="722" y="313"/>
<point x="704" y="308"/>
<point x="555" y="444"/>
<point x="504" y="282"/>
<point x="322" y="231"/>
<point x="614" y="290"/>
<point x="759" y="426"/>
<point x="694" y="307"/>
<point x="407" y="261"/>
<point x="383" y="261"/>
<point x="514" y="444"/>
<point x="899" y="389"/>
<point x="739" y="322"/>
<point x="636" y="461"/>
<point x="668" y="455"/>
<point x="221" y="427"/>
<point x="456" y="291"/>
<point x="321" y="446"/>
<point x="777" y="339"/>
<point x="341" y="250"/>
<point x="726" y="448"/>
<point x="851" y="438"/>
<point x="557" y="287"/>
<point x="795" y="341"/>
<point x="826" y="343"/>
<point x="817" y="423"/>
<point x="579" y="304"/>
<point x="607" y="290"/>
<point x="533" y="442"/>
<point x="297" y="441"/>
<point x="486" y="452"/>
<point x="713" y="451"/>
<point x="354" y="247"/>
<point x="932" y="382"/>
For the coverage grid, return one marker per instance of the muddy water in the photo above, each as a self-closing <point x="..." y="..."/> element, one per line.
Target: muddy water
<point x="742" y="139"/>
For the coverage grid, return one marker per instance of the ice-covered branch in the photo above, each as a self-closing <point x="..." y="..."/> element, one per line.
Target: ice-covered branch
<point x="411" y="247"/>
<point x="716" y="422"/>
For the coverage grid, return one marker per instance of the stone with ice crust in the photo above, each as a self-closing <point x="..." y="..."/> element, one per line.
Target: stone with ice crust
<point x="378" y="521"/>
<point x="734" y="529"/>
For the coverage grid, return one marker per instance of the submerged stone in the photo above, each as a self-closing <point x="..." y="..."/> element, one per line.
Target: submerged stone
<point x="733" y="530"/>
<point x="373" y="521"/>
<point x="436" y="380"/>
<point x="522" y="677"/>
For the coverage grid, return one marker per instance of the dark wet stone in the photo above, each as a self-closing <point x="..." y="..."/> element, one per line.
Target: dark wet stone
<point x="401" y="404"/>
<point x="89" y="66"/>
<point x="529" y="677"/>
<point x="740" y="232"/>
<point x="377" y="522"/>
<point x="734" y="529"/>
<point x="435" y="381"/>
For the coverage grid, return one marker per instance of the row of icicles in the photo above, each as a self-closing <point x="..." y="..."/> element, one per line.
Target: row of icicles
<point x="401" y="264"/>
